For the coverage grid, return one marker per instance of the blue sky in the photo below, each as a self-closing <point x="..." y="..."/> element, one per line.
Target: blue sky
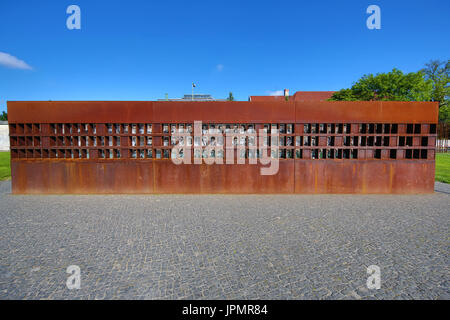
<point x="140" y="50"/>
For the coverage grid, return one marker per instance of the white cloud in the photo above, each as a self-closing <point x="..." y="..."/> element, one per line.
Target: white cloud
<point x="10" y="61"/>
<point x="276" y="93"/>
<point x="219" y="67"/>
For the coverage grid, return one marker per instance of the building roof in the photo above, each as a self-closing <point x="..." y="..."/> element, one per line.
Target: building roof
<point x="268" y="98"/>
<point x="298" y="96"/>
<point x="313" y="95"/>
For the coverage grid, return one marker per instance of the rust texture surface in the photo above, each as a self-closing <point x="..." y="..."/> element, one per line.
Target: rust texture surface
<point x="126" y="146"/>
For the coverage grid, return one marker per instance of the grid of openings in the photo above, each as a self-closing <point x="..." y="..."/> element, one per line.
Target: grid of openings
<point x="156" y="140"/>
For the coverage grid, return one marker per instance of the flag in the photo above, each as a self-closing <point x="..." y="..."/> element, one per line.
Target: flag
<point x="193" y="85"/>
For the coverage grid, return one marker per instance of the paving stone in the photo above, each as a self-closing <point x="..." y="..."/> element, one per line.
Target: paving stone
<point x="224" y="246"/>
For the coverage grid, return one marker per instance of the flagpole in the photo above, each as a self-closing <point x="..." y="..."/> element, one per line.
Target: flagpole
<point x="192" y="97"/>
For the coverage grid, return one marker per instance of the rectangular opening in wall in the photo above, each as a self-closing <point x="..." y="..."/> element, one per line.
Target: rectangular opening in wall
<point x="22" y="154"/>
<point x="133" y="153"/>
<point x="362" y="128"/>
<point x="12" y="128"/>
<point x="370" y="141"/>
<point x="408" y="154"/>
<point x="409" y="141"/>
<point x="149" y="153"/>
<point x="409" y="128"/>
<point x="13" y="141"/>
<point x="378" y="141"/>
<point x="401" y="141"/>
<point x="417" y="128"/>
<point x="377" y="154"/>
<point x="323" y="128"/>
<point x="14" y="153"/>
<point x="330" y="141"/>
<point x="416" y="153"/>
<point x="424" y="141"/>
<point x="354" y="154"/>
<point x="346" y="154"/>
<point x="45" y="153"/>
<point x="394" y="128"/>
<point x="386" y="141"/>
<point x="379" y="128"/>
<point x="307" y="128"/>
<point x="363" y="141"/>
<point x="423" y="153"/>
<point x="387" y="128"/>
<point x="298" y="154"/>
<point x="347" y="141"/>
<point x="29" y="153"/>
<point x="330" y="154"/>
<point x="28" y="128"/>
<point x="289" y="153"/>
<point x="290" y="129"/>
<point x="393" y="154"/>
<point x="371" y="128"/>
<point x="338" y="153"/>
<point x="432" y="128"/>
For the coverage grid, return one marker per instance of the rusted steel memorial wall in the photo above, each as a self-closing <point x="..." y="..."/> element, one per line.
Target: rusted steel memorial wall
<point x="223" y="147"/>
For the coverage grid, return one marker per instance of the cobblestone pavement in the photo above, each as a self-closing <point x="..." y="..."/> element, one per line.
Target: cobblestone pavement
<point x="223" y="246"/>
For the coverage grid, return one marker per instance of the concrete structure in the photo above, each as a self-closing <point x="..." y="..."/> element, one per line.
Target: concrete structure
<point x="4" y="136"/>
<point x="127" y="146"/>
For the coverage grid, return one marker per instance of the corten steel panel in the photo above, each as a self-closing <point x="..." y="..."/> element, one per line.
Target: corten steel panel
<point x="367" y="111"/>
<point x="226" y="178"/>
<point x="232" y="112"/>
<point x="81" y="177"/>
<point x="162" y="176"/>
<point x="79" y="111"/>
<point x="371" y="176"/>
<point x="223" y="112"/>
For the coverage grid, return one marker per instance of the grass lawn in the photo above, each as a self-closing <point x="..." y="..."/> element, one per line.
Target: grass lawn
<point x="5" y="170"/>
<point x="442" y="166"/>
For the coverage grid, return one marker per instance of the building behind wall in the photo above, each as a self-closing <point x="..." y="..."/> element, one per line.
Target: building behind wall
<point x="4" y="136"/>
<point x="125" y="146"/>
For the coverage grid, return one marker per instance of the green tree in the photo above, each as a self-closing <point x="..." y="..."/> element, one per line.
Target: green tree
<point x="4" y="116"/>
<point x="391" y="86"/>
<point x="438" y="72"/>
<point x="230" y="97"/>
